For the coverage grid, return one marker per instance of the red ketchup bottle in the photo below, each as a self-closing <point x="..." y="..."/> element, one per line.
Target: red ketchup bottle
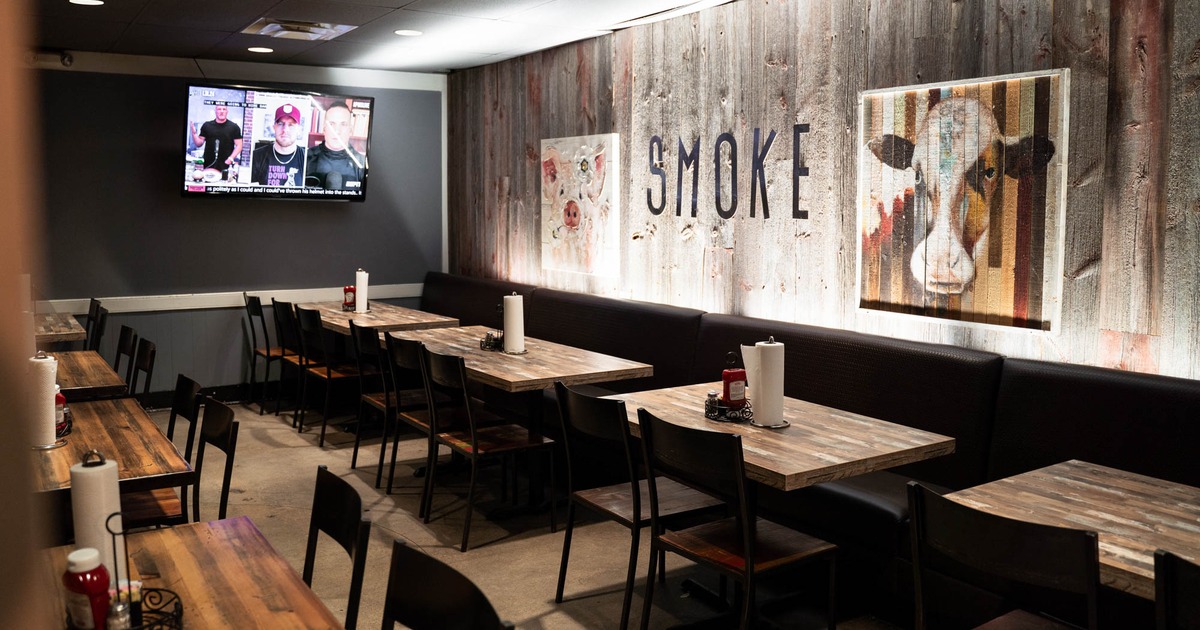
<point x="86" y="581"/>
<point x="733" y="380"/>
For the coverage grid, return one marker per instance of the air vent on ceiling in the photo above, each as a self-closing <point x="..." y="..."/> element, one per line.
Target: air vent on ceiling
<point x="294" y="29"/>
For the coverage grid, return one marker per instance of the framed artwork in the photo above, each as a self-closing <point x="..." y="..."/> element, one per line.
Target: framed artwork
<point x="580" y="223"/>
<point x="961" y="199"/>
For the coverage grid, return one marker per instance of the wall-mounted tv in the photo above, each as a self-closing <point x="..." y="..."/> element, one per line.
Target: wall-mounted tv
<point x="264" y="142"/>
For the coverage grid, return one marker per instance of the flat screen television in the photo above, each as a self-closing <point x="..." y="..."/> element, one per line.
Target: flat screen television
<point x="266" y="142"/>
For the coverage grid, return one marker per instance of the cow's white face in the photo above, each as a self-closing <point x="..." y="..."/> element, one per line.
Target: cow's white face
<point x="952" y="168"/>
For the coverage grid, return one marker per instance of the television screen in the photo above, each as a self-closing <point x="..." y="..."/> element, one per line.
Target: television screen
<point x="259" y="142"/>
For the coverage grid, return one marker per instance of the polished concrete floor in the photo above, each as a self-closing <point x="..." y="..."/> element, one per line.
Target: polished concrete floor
<point x="513" y="558"/>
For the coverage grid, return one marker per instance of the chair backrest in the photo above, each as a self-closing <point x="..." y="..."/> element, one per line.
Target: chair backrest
<point x="126" y="344"/>
<point x="1177" y="592"/>
<point x="404" y="363"/>
<point x="337" y="511"/>
<point x="312" y="335"/>
<point x="220" y="430"/>
<point x="424" y="593"/>
<point x="186" y="404"/>
<point x="286" y="329"/>
<point x="1037" y="565"/>
<point x="446" y="383"/>
<point x="143" y="361"/>
<point x="96" y="331"/>
<point x="368" y="353"/>
<point x="92" y="315"/>
<point x="595" y="434"/>
<point x="254" y="312"/>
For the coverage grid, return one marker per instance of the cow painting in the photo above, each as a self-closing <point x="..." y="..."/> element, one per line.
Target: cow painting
<point x="956" y="196"/>
<point x="580" y="223"/>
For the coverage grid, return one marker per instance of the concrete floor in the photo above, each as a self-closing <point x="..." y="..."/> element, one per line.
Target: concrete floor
<point x="513" y="559"/>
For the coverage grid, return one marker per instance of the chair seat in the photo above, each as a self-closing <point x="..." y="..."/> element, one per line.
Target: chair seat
<point x="1023" y="620"/>
<point x="494" y="439"/>
<point x="718" y="542"/>
<point x="295" y="359"/>
<point x="336" y="371"/>
<point x="673" y="497"/>
<point x="378" y="400"/>
<point x="151" y="507"/>
<point x="274" y="353"/>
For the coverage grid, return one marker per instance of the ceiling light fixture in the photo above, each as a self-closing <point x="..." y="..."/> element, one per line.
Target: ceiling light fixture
<point x="405" y="32"/>
<point x="88" y="3"/>
<point x="260" y="49"/>
<point x="295" y="29"/>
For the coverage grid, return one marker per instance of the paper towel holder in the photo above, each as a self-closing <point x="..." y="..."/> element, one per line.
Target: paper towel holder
<point x="156" y="608"/>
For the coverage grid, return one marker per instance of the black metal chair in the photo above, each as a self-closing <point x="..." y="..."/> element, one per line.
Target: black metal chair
<point x="595" y="435"/>
<point x="95" y="331"/>
<point x="1044" y="573"/>
<point x="374" y="389"/>
<point x="408" y="390"/>
<point x="1177" y="592"/>
<point x="143" y="362"/>
<point x="337" y="511"/>
<point x="427" y="594"/>
<point x="742" y="547"/>
<point x="455" y="424"/>
<point x="163" y="506"/>
<point x="287" y="331"/>
<point x="269" y="353"/>
<point x="126" y="346"/>
<point x="219" y="430"/>
<point x="93" y="315"/>
<point x="318" y="362"/>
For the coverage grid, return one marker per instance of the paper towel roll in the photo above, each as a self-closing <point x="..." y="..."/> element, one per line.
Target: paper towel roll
<point x="514" y="323"/>
<point x="95" y="494"/>
<point x="360" y="291"/>
<point x="767" y="394"/>
<point x="43" y="372"/>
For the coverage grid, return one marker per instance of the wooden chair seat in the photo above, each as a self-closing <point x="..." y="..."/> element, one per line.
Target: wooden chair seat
<point x="379" y="401"/>
<point x="494" y="439"/>
<point x="337" y="371"/>
<point x="417" y="418"/>
<point x="616" y="500"/>
<point x="720" y="542"/>
<point x="1024" y="620"/>
<point x="275" y="353"/>
<point x="161" y="506"/>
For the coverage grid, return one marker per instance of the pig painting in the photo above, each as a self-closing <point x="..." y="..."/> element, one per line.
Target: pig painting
<point x="958" y="200"/>
<point x="580" y="222"/>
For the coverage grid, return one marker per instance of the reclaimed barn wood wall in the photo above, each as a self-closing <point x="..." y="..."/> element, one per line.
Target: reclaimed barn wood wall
<point x="1130" y="297"/>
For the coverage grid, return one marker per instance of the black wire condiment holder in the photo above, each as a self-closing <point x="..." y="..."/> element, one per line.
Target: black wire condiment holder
<point x="156" y="608"/>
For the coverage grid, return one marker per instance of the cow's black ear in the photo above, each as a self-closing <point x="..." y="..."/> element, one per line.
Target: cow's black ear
<point x="895" y="151"/>
<point x="1027" y="155"/>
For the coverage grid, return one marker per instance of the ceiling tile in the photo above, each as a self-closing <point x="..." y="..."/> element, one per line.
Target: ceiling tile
<point x="484" y="9"/>
<point x="78" y="34"/>
<point x="213" y="15"/>
<point x="349" y="54"/>
<point x="122" y="11"/>
<point x="322" y="11"/>
<point x="233" y="48"/>
<point x="167" y="41"/>
<point x="593" y="15"/>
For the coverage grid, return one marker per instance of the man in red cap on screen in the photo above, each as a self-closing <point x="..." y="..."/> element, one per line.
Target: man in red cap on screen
<point x="280" y="163"/>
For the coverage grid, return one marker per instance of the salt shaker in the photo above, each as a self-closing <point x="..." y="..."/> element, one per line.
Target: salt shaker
<point x="711" y="406"/>
<point x="118" y="616"/>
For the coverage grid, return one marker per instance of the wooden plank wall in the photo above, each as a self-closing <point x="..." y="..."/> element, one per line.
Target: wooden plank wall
<point x="768" y="65"/>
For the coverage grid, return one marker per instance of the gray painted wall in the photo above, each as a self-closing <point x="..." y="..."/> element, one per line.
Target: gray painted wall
<point x="117" y="225"/>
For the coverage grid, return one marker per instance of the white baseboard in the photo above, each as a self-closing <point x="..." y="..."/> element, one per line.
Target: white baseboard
<point x="230" y="299"/>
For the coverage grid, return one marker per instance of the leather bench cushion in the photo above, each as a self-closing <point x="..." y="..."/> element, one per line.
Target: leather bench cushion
<point x="474" y="301"/>
<point x="940" y="388"/>
<point x="1051" y="412"/>
<point x="661" y="335"/>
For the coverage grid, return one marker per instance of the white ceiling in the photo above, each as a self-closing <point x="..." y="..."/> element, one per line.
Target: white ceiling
<point x="457" y="33"/>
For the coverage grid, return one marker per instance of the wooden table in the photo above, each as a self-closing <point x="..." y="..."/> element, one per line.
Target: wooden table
<point x="120" y="429"/>
<point x="382" y="317"/>
<point x="226" y="574"/>
<point x="84" y="375"/>
<point x="1132" y="514"/>
<point x="822" y="443"/>
<point x="57" y="327"/>
<point x="543" y="363"/>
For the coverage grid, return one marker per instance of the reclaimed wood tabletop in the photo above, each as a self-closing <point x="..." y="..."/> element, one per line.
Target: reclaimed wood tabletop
<point x="57" y="327"/>
<point x="543" y="363"/>
<point x="84" y="375"/>
<point x="820" y="444"/>
<point x="226" y="574"/>
<point x="121" y="430"/>
<point x="380" y="316"/>
<point x="1131" y="514"/>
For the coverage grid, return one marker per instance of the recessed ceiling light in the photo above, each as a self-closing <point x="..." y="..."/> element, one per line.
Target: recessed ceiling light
<point x="260" y="49"/>
<point x="88" y="3"/>
<point x="404" y="32"/>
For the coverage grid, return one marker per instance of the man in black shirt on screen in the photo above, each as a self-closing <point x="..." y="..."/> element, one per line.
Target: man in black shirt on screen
<point x="334" y="164"/>
<point x="281" y="162"/>
<point x="221" y="138"/>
